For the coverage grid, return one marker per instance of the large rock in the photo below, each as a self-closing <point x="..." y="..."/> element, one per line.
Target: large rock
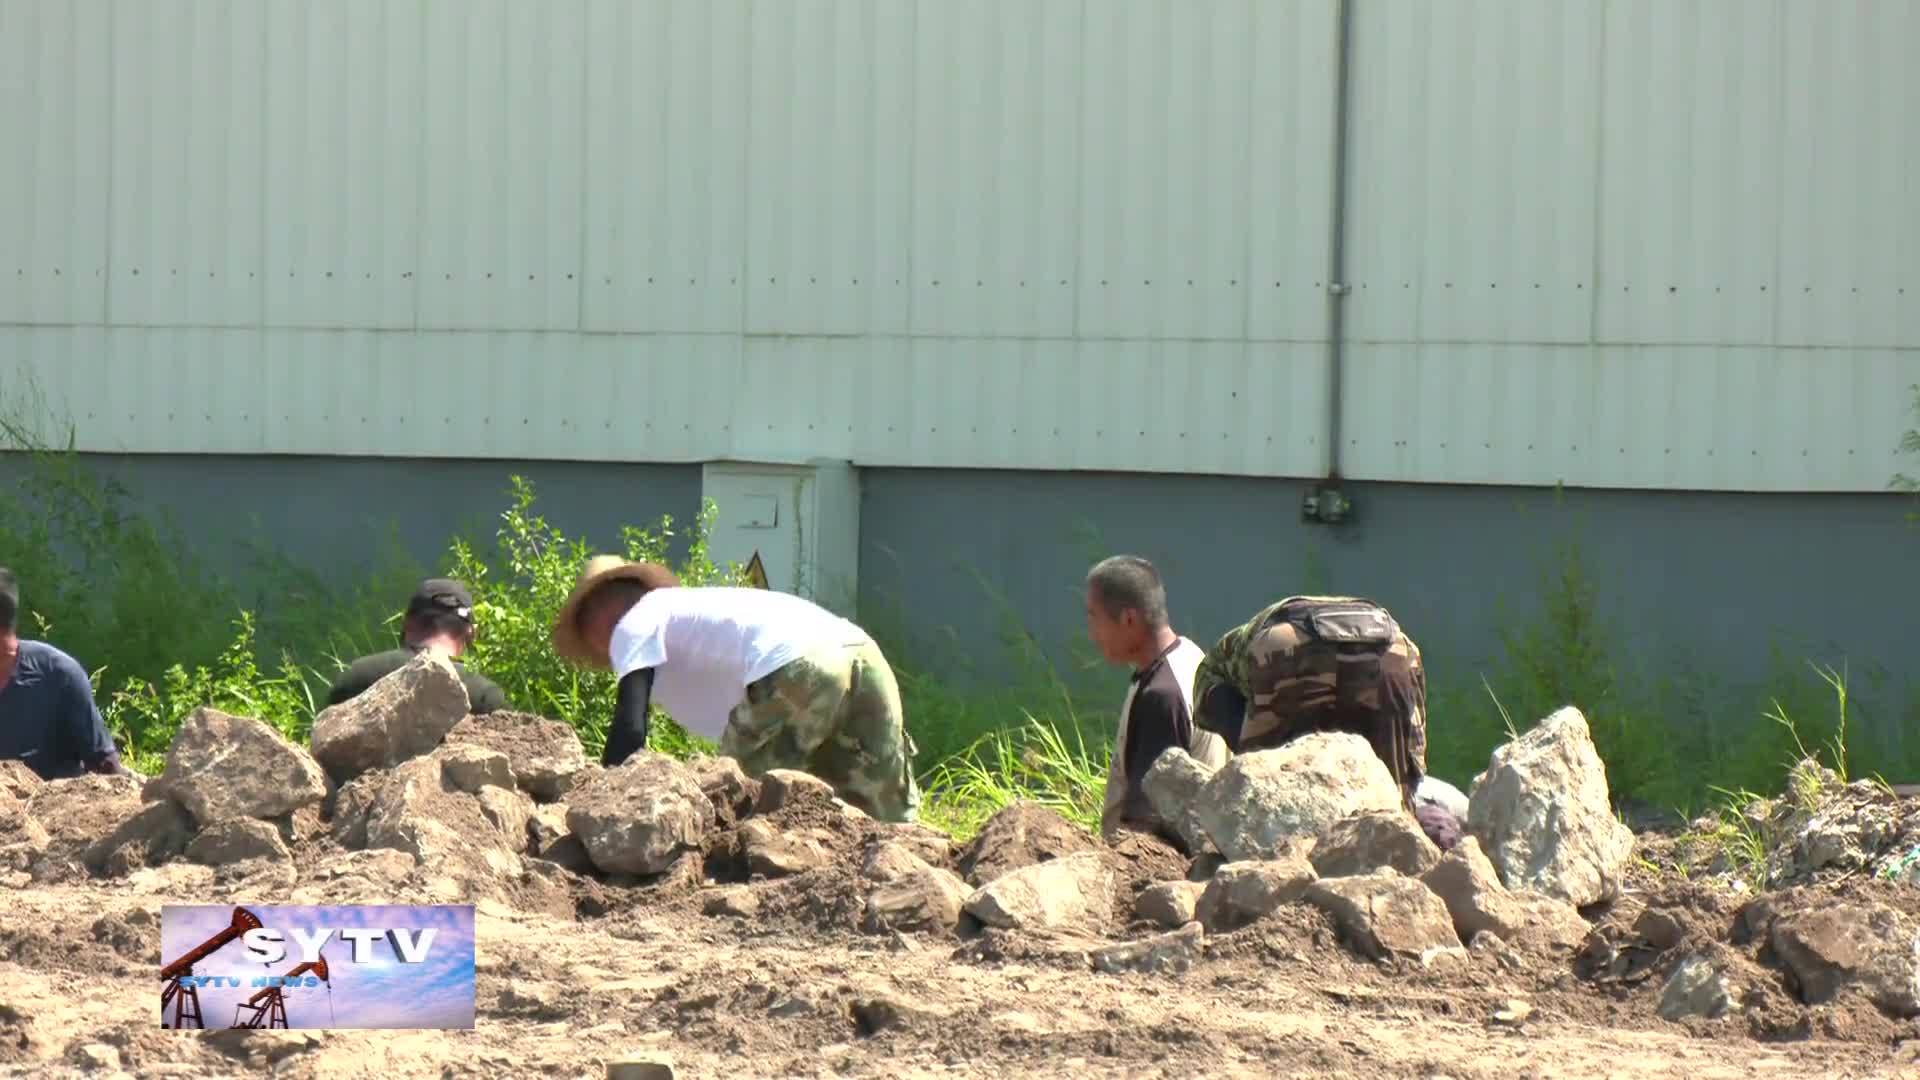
<point x="1259" y="801"/>
<point x="1368" y="841"/>
<point x="157" y="833"/>
<point x="233" y="840"/>
<point x="1542" y="814"/>
<point x="1172" y="785"/>
<point x="222" y="766"/>
<point x="1696" y="987"/>
<point x="1386" y="914"/>
<point x="640" y="817"/>
<point x="404" y="715"/>
<point x="780" y="788"/>
<point x="1169" y="904"/>
<point x="731" y="790"/>
<point x="1470" y="887"/>
<point x="925" y="899"/>
<point x="421" y="810"/>
<point x="1022" y="834"/>
<point x="545" y="755"/>
<point x="351" y="804"/>
<point x="1872" y="950"/>
<point x="890" y="860"/>
<point x="1075" y="890"/>
<point x="1171" y="953"/>
<point x="775" y="853"/>
<point x="1245" y="891"/>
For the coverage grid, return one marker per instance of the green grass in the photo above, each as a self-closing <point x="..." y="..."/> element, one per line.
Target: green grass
<point x="166" y="628"/>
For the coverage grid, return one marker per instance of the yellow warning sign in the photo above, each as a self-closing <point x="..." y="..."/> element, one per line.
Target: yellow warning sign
<point x="757" y="573"/>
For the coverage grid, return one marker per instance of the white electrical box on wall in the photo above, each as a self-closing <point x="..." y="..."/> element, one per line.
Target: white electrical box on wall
<point x="803" y="521"/>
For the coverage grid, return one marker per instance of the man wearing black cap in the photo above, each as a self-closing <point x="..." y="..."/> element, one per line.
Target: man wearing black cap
<point x="47" y="716"/>
<point x="440" y="617"/>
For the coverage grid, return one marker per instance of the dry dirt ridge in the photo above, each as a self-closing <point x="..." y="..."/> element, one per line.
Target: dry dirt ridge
<point x="724" y="926"/>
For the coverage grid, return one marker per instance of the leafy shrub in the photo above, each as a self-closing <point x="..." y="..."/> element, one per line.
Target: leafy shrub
<point x="143" y="716"/>
<point x="518" y="589"/>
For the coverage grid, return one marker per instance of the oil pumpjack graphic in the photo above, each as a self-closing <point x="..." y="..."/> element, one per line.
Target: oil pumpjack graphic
<point x="266" y="1009"/>
<point x="185" y="999"/>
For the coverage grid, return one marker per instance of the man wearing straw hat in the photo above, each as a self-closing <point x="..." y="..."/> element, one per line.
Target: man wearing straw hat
<point x="778" y="681"/>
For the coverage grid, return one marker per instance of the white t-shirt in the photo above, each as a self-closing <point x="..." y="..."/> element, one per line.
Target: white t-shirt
<point x="706" y="643"/>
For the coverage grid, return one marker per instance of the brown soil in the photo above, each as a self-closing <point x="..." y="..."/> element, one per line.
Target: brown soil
<point x="577" y="971"/>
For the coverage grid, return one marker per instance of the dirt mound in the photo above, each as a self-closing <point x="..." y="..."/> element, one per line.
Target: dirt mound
<point x="780" y="931"/>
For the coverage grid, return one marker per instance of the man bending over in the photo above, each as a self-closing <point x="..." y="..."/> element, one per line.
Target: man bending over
<point x="778" y="681"/>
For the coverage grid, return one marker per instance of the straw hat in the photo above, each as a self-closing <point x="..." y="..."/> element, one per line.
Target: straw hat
<point x="600" y="570"/>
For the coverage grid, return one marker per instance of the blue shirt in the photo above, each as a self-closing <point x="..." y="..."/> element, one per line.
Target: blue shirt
<point x="48" y="719"/>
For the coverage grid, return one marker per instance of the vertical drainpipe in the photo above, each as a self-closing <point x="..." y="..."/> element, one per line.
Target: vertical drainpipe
<point x="1324" y="501"/>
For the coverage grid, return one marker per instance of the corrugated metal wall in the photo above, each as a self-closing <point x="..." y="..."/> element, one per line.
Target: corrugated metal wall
<point x="1627" y="243"/>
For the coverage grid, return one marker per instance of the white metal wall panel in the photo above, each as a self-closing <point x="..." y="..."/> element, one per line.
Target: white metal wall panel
<point x="188" y="78"/>
<point x="1692" y="140"/>
<point x="54" y="103"/>
<point x="996" y="166"/>
<point x="1627" y="243"/>
<point x="1289" y="213"/>
<point x="343" y="189"/>
<point x="1473" y="152"/>
<point x="829" y="206"/>
<point x="1854" y="267"/>
<point x="503" y="92"/>
<point x="665" y="165"/>
<point x="1167" y="124"/>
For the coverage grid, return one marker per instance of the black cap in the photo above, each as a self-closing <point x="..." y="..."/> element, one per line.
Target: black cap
<point x="441" y="595"/>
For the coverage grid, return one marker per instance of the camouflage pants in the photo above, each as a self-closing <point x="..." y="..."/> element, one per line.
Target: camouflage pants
<point x="1301" y="682"/>
<point x="835" y="713"/>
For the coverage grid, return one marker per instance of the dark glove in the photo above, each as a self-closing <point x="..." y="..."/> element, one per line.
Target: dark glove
<point x="627" y="734"/>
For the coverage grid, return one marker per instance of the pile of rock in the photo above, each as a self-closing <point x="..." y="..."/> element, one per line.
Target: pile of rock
<point x="1320" y="822"/>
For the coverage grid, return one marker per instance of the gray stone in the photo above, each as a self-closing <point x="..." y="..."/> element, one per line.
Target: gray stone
<point x="232" y="840"/>
<point x="1245" y="891"/>
<point x="1172" y="785"/>
<point x="1386" y="914"/>
<point x="640" y="817"/>
<point x="926" y="899"/>
<point x="1170" y="953"/>
<point x="351" y="804"/>
<point x="221" y="766"/>
<point x="774" y="853"/>
<point x="468" y="767"/>
<point x="76" y="812"/>
<point x="469" y="837"/>
<point x="1169" y="904"/>
<point x="1021" y="834"/>
<point x="891" y="860"/>
<point x="157" y="833"/>
<point x="726" y="783"/>
<point x="544" y="757"/>
<point x="546" y="826"/>
<point x="404" y="715"/>
<point x="1370" y="840"/>
<point x="737" y="902"/>
<point x="1542" y="814"/>
<point x="639" y="1069"/>
<point x="1872" y="950"/>
<point x="1058" y="893"/>
<point x="1261" y="800"/>
<point x="1696" y="988"/>
<point x="1466" y="882"/>
<point x="784" y="787"/>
